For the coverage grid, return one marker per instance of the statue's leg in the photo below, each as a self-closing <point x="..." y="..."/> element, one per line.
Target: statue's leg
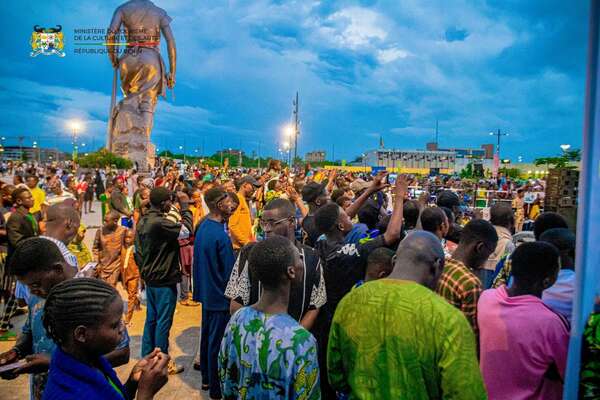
<point x="147" y="113"/>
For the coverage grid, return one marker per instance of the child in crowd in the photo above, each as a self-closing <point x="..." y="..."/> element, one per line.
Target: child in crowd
<point x="107" y="248"/>
<point x="83" y="318"/>
<point x="130" y="275"/>
<point x="79" y="249"/>
<point x="105" y="198"/>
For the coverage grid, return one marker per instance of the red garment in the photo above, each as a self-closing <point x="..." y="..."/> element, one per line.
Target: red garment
<point x="186" y="255"/>
<point x="82" y="187"/>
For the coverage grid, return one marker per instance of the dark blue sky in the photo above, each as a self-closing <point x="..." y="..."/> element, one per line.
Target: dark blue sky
<point x="363" y="69"/>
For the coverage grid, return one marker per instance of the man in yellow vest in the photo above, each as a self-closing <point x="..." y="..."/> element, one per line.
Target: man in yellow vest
<point x="240" y="223"/>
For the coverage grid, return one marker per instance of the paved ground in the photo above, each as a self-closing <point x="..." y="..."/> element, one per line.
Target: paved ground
<point x="183" y="346"/>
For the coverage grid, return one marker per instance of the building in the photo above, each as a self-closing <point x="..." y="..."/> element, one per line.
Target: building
<point x="486" y="152"/>
<point x="24" y="153"/>
<point x="410" y="161"/>
<point x="232" y="152"/>
<point x="315" y="156"/>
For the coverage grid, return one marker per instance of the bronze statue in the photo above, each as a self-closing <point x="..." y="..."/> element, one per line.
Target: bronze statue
<point x="143" y="77"/>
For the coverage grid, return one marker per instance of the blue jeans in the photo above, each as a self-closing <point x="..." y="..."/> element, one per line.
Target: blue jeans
<point x="160" y="303"/>
<point x="212" y="331"/>
<point x="184" y="287"/>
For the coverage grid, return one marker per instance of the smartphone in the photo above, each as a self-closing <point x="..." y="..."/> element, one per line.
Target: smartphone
<point x="391" y="179"/>
<point x="88" y="271"/>
<point x="10" y="367"/>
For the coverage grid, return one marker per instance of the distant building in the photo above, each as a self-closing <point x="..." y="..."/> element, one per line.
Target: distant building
<point x="486" y="152"/>
<point x="232" y="152"/>
<point x="16" y="153"/>
<point x="409" y="159"/>
<point x="315" y="156"/>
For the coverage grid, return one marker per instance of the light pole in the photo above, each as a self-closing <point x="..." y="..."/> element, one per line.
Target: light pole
<point x="286" y="147"/>
<point x="183" y="151"/>
<point x="75" y="126"/>
<point x="498" y="135"/>
<point x="497" y="157"/>
<point x="259" y="154"/>
<point x="36" y="150"/>
<point x="296" y="127"/>
<point x="565" y="147"/>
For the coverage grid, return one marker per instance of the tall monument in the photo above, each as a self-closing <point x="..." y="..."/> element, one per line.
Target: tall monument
<point x="143" y="77"/>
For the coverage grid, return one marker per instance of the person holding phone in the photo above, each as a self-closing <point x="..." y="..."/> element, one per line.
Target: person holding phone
<point x="83" y="318"/>
<point x="157" y="256"/>
<point x="38" y="263"/>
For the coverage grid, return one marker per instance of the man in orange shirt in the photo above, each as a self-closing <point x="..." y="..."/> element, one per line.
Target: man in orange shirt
<point x="240" y="223"/>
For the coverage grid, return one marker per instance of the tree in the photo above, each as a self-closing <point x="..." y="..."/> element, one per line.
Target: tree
<point x="511" y="172"/>
<point x="561" y="162"/>
<point x="102" y="158"/>
<point x="467" y="172"/>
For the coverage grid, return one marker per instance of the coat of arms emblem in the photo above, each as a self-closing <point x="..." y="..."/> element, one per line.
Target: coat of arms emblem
<point x="47" y="41"/>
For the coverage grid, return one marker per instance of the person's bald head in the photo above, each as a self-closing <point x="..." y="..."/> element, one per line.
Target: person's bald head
<point x="62" y="222"/>
<point x="420" y="258"/>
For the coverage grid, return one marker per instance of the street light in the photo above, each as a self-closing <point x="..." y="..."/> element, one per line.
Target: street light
<point x="75" y="126"/>
<point x="565" y="147"/>
<point x="498" y="135"/>
<point x="286" y="147"/>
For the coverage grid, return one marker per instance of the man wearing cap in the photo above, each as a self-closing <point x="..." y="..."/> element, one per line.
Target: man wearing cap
<point x="359" y="186"/>
<point x="240" y="223"/>
<point x="316" y="196"/>
<point x="157" y="256"/>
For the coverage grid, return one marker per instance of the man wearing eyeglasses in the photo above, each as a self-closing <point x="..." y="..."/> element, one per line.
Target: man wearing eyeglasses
<point x="307" y="295"/>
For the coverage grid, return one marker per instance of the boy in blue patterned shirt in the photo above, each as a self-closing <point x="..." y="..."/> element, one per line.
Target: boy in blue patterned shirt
<point x="265" y="353"/>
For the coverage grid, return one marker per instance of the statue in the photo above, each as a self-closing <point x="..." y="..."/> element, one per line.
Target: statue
<point x="143" y="78"/>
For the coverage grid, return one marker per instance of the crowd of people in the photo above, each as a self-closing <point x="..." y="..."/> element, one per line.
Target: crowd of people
<point x="312" y="284"/>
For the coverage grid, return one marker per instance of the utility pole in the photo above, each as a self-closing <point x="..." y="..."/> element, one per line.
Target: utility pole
<point x="21" y="146"/>
<point x="498" y="135"/>
<point x="333" y="153"/>
<point x="221" y="151"/>
<point x="296" y="127"/>
<point x="259" y="154"/>
<point x="437" y="143"/>
<point x="240" y="155"/>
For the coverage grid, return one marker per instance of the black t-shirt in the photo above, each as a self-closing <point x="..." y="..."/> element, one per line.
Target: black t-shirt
<point x="311" y="233"/>
<point x="343" y="266"/>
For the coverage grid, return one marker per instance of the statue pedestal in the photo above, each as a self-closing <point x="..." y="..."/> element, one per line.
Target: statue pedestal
<point x="129" y="138"/>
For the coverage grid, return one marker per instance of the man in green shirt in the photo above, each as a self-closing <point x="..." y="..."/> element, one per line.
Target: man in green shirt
<point x="396" y="339"/>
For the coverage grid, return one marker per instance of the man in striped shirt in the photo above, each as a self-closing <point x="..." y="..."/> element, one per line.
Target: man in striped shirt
<point x="62" y="223"/>
<point x="459" y="285"/>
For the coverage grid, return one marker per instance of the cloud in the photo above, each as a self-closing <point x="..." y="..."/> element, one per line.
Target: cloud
<point x="389" y="55"/>
<point x="454" y="34"/>
<point x="360" y="66"/>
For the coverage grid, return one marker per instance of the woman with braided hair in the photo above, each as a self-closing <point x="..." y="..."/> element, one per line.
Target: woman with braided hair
<point x="83" y="318"/>
<point x="38" y="263"/>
